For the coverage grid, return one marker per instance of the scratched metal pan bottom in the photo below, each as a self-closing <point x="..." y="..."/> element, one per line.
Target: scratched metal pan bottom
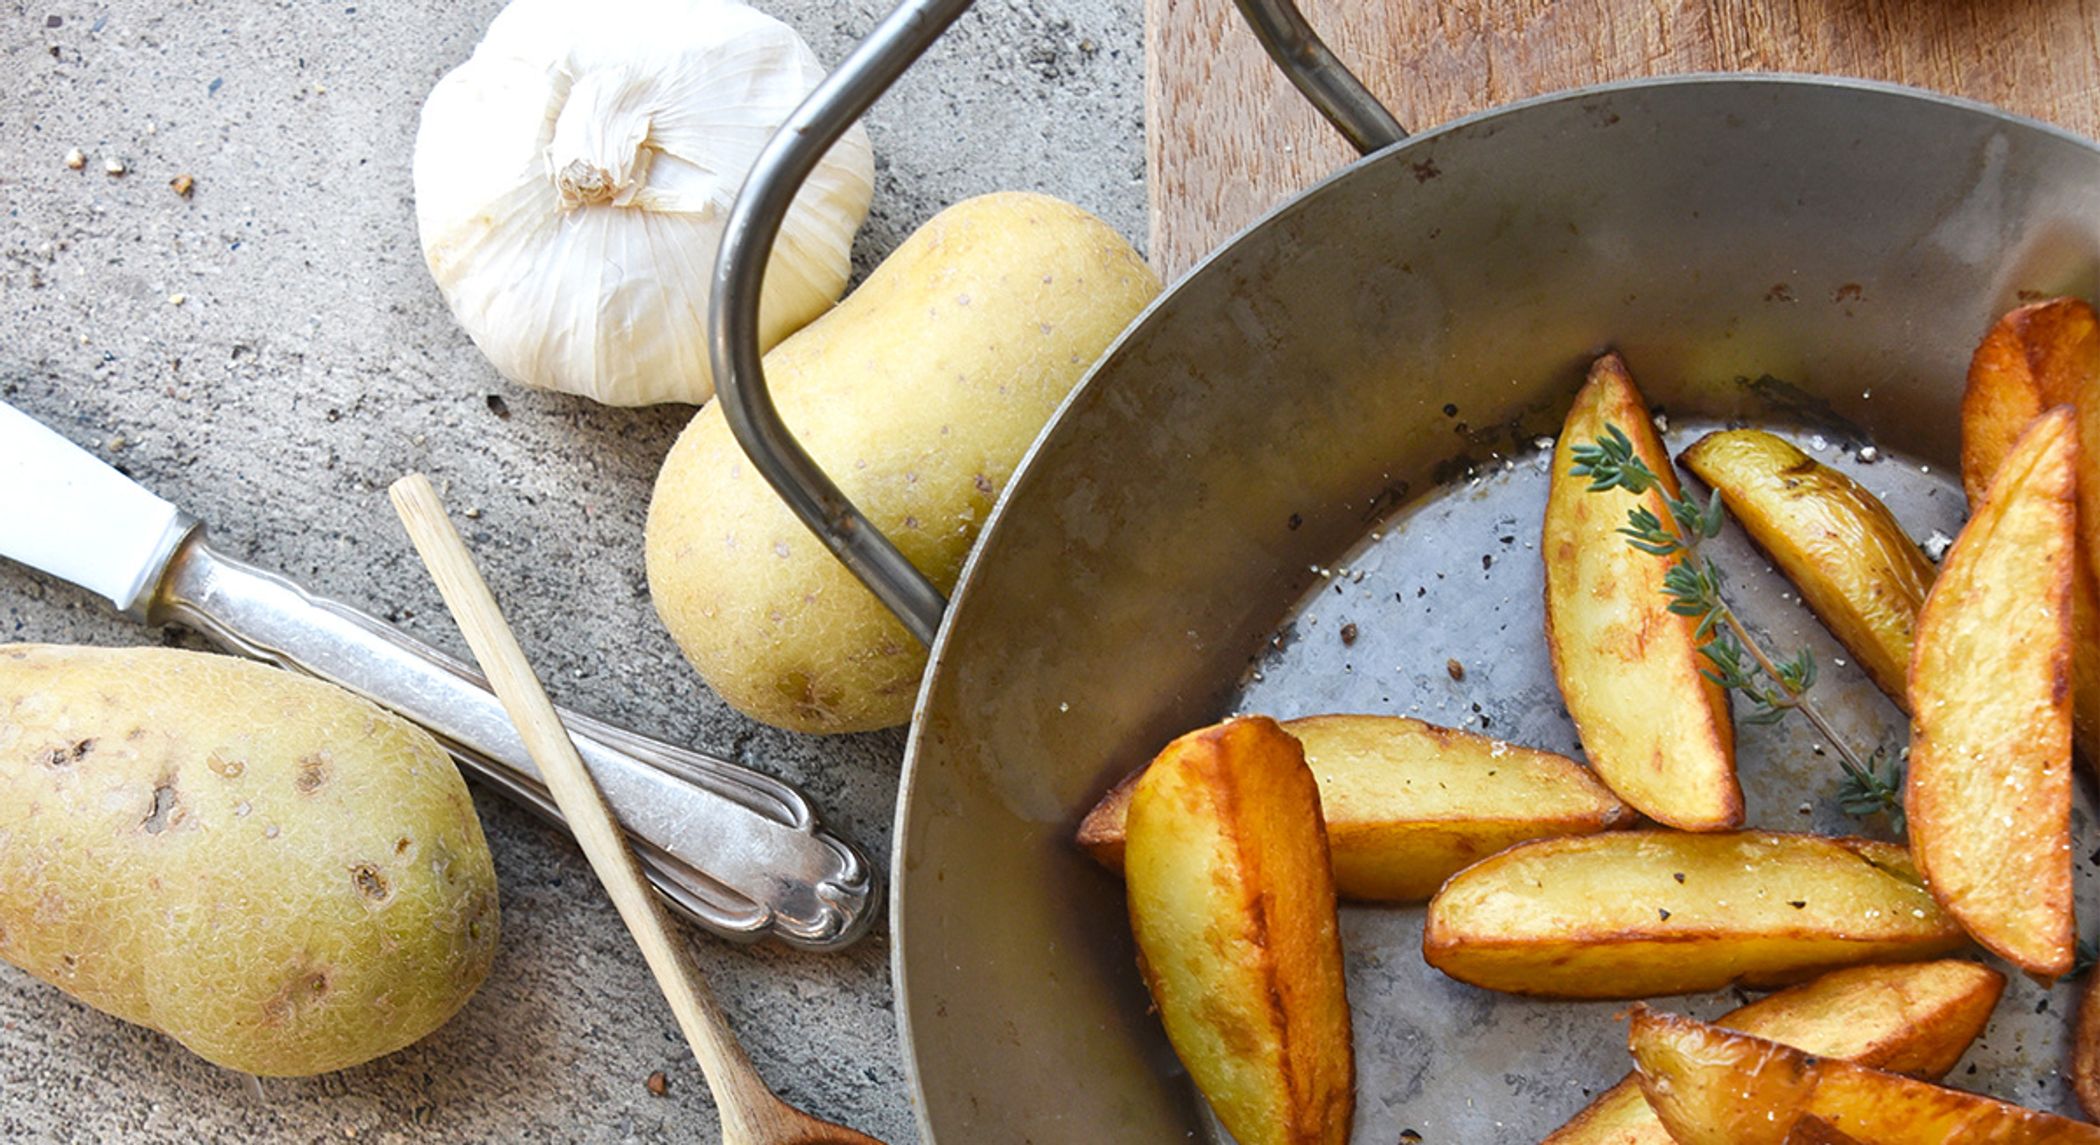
<point x="1456" y="577"/>
<point x="1362" y="382"/>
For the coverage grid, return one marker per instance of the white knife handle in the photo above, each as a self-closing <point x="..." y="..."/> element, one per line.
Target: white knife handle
<point x="48" y="482"/>
<point x="738" y="852"/>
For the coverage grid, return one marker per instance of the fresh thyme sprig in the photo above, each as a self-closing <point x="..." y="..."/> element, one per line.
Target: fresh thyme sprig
<point x="1879" y="787"/>
<point x="1735" y="660"/>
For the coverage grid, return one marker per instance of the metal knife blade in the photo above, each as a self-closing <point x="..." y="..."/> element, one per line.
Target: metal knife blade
<point x="65" y="512"/>
<point x="737" y="851"/>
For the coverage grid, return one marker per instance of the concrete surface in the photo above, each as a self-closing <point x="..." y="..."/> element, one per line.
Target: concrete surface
<point x="310" y="363"/>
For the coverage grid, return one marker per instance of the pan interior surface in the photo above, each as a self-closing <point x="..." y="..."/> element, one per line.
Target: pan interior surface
<point x="1338" y="421"/>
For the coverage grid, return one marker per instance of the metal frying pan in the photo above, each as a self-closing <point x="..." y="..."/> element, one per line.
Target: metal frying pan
<point x="1311" y="476"/>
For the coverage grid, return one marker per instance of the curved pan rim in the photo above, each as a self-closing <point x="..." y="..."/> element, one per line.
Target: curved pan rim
<point x="961" y="601"/>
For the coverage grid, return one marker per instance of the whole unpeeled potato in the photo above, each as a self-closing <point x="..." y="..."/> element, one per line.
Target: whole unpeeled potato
<point x="918" y="394"/>
<point x="275" y="873"/>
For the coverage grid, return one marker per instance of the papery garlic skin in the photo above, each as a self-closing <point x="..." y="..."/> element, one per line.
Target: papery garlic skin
<point x="573" y="178"/>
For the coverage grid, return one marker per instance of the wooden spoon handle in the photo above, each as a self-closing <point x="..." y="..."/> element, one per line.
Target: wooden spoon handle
<point x="738" y="1091"/>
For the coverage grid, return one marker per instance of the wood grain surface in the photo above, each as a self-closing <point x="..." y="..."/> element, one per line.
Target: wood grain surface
<point x="1227" y="137"/>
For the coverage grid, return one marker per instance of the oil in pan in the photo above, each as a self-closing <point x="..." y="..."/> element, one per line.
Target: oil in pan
<point x="1438" y="614"/>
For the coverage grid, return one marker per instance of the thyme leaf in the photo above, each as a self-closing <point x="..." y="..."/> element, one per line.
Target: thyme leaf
<point x="1877" y="788"/>
<point x="1734" y="660"/>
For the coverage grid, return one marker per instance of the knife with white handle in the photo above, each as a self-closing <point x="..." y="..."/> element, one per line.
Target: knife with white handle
<point x="738" y="852"/>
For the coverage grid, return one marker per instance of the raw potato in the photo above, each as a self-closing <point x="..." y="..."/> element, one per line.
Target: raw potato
<point x="1634" y="914"/>
<point x="1712" y="1086"/>
<point x="1233" y="906"/>
<point x="1852" y="561"/>
<point x="275" y="873"/>
<point x="1915" y="1019"/>
<point x="1989" y="794"/>
<point x="918" y="395"/>
<point x="2042" y="355"/>
<point x="1409" y="804"/>
<point x="1655" y="729"/>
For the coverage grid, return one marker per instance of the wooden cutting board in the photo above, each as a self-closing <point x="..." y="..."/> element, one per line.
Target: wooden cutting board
<point x="1227" y="137"/>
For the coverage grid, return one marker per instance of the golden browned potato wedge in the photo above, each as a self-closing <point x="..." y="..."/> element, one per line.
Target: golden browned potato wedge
<point x="1852" y="561"/>
<point x="1712" y="1086"/>
<point x="1656" y="730"/>
<point x="1410" y="804"/>
<point x="1989" y="796"/>
<point x="2042" y="355"/>
<point x="1232" y="901"/>
<point x="2085" y="662"/>
<point x="1101" y="833"/>
<point x="2085" y="1050"/>
<point x="1633" y="914"/>
<point x="1917" y="1018"/>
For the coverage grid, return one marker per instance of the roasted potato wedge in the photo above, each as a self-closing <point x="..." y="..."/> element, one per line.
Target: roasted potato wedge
<point x="1916" y="1018"/>
<point x="1712" y="1086"/>
<point x="1855" y="566"/>
<point x="1232" y="901"/>
<point x="1656" y="730"/>
<point x="1101" y="833"/>
<point x="1410" y="804"/>
<point x="2085" y="1050"/>
<point x="2085" y="661"/>
<point x="1634" y="914"/>
<point x="2042" y="355"/>
<point x="1989" y="795"/>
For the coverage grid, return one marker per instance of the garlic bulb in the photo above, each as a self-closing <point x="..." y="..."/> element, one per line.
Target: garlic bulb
<point x="574" y="175"/>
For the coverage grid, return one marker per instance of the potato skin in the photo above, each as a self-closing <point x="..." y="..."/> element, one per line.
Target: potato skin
<point x="1989" y="791"/>
<point x="1852" y="561"/>
<point x="1232" y="904"/>
<point x="1654" y="727"/>
<point x="918" y="395"/>
<point x="1408" y="804"/>
<point x="2037" y="356"/>
<point x="277" y="874"/>
<point x="1635" y="914"/>
<point x="2085" y="1051"/>
<point x="1915" y="1018"/>
<point x="1713" y="1086"/>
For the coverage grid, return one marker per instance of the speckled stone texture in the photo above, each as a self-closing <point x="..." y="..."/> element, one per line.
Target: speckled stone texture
<point x="307" y="364"/>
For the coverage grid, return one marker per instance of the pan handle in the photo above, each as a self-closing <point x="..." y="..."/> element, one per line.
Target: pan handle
<point x="1311" y="65"/>
<point x="762" y="204"/>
